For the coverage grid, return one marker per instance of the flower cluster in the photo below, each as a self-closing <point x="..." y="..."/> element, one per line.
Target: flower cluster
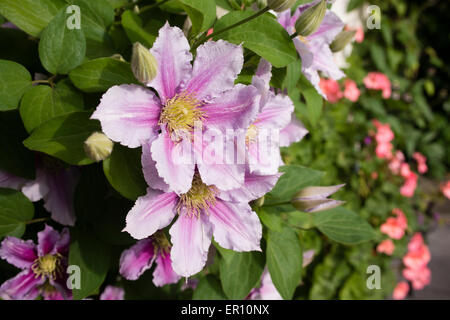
<point x="378" y="81"/>
<point x="333" y="91"/>
<point x="416" y="261"/>
<point x="210" y="196"/>
<point x="395" y="227"/>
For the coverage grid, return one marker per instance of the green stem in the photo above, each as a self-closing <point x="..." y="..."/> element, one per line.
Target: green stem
<point x="37" y="220"/>
<point x="253" y="16"/>
<point x="294" y="35"/>
<point x="151" y="6"/>
<point x="277" y="204"/>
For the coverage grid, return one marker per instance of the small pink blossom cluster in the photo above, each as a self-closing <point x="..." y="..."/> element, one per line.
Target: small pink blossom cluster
<point x="416" y="261"/>
<point x="378" y="81"/>
<point x="445" y="188"/>
<point x="394" y="227"/>
<point x="333" y="91"/>
<point x="397" y="164"/>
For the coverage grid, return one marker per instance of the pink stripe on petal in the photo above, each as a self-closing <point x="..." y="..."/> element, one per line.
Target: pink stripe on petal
<point x="164" y="273"/>
<point x="235" y="226"/>
<point x="191" y="238"/>
<point x="18" y="252"/>
<point x="176" y="170"/>
<point x="215" y="68"/>
<point x="276" y="113"/>
<point x="47" y="240"/>
<point x="128" y="114"/>
<point x="22" y="287"/>
<point x="150" y="213"/>
<point x="112" y="293"/>
<point x="137" y="259"/>
<point x="171" y="50"/>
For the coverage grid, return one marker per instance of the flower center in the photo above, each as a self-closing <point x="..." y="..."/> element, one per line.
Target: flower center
<point x="303" y="39"/>
<point x="180" y="113"/>
<point x="47" y="266"/>
<point x="161" y="243"/>
<point x="251" y="134"/>
<point x="199" y="197"/>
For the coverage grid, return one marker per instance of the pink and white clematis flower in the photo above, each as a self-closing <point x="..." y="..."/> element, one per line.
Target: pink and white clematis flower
<point x="202" y="212"/>
<point x="203" y="93"/>
<point x="275" y="125"/>
<point x="140" y="257"/>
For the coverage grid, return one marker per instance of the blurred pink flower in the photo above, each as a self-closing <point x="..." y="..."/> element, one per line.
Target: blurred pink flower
<point x="416" y="261"/>
<point x="396" y="162"/>
<point x="378" y="81"/>
<point x="384" y="133"/>
<point x="445" y="188"/>
<point x="410" y="185"/>
<point x="359" y="36"/>
<point x="421" y="162"/>
<point x="384" y="150"/>
<point x="351" y="91"/>
<point x="392" y="228"/>
<point x="331" y="89"/>
<point x="401" y="290"/>
<point x="112" y="293"/>
<point x="386" y="246"/>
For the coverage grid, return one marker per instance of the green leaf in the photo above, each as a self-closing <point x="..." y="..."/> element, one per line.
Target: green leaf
<point x="209" y="289"/>
<point x="61" y="49"/>
<point x="270" y="217"/>
<point x="240" y="272"/>
<point x="293" y="74"/>
<point x="14" y="81"/>
<point x="99" y="75"/>
<point x="42" y="103"/>
<point x="96" y="17"/>
<point x="123" y="170"/>
<point x="343" y="226"/>
<point x="201" y="12"/>
<point x="15" y="211"/>
<point x="284" y="261"/>
<point x="263" y="35"/>
<point x="30" y="16"/>
<point x="133" y="26"/>
<point x="92" y="257"/>
<point x="293" y="179"/>
<point x="314" y="101"/>
<point x="19" y="160"/>
<point x="63" y="137"/>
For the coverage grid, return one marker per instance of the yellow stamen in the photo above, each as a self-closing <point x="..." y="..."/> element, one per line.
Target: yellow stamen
<point x="180" y="113"/>
<point x="251" y="134"/>
<point x="161" y="243"/>
<point x="199" y="198"/>
<point x="303" y="39"/>
<point x="47" y="266"/>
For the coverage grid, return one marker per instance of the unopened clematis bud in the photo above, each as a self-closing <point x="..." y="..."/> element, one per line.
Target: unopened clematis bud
<point x="143" y="63"/>
<point x="98" y="146"/>
<point x="280" y="5"/>
<point x="341" y="40"/>
<point x="311" y="19"/>
<point x="314" y="199"/>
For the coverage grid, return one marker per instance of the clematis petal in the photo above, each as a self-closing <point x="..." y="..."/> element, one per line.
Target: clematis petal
<point x="112" y="293"/>
<point x="235" y="226"/>
<point x="324" y="60"/>
<point x="164" y="273"/>
<point x="62" y="245"/>
<point x="235" y="109"/>
<point x="150" y="213"/>
<point x="149" y="169"/>
<point x="59" y="199"/>
<point x="261" y="80"/>
<point x="173" y="162"/>
<point x="215" y="68"/>
<point x="264" y="154"/>
<point x="128" y="114"/>
<point x="329" y="28"/>
<point x="137" y="259"/>
<point x="254" y="187"/>
<point x="191" y="238"/>
<point x="18" y="252"/>
<point x="10" y="181"/>
<point x="171" y="50"/>
<point x="47" y="240"/>
<point x="293" y="132"/>
<point x="22" y="287"/>
<point x="276" y="113"/>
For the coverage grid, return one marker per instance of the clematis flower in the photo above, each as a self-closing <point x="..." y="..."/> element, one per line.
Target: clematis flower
<point x="112" y="293"/>
<point x="203" y="211"/>
<point x="315" y="49"/>
<point x="445" y="188"/>
<point x="56" y="186"/>
<point x="274" y="126"/>
<point x="266" y="291"/>
<point x="378" y="81"/>
<point x="140" y="257"/>
<point x="386" y="246"/>
<point x="43" y="266"/>
<point x="351" y="91"/>
<point x="203" y="94"/>
<point x="331" y="89"/>
<point x="400" y="291"/>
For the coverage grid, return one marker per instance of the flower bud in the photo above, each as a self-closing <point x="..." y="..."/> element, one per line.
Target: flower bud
<point x="98" y="146"/>
<point x="341" y="40"/>
<point x="259" y="202"/>
<point x="310" y="20"/>
<point x="314" y="199"/>
<point x="280" y="5"/>
<point x="143" y="64"/>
